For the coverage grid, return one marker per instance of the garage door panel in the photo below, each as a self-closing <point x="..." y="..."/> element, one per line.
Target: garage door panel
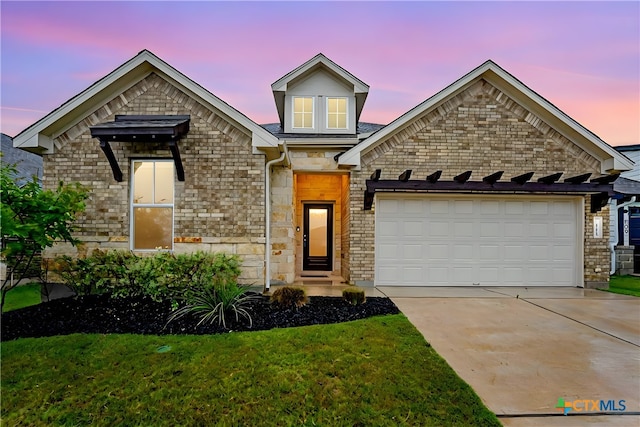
<point x="515" y="230"/>
<point x="539" y="253"/>
<point x="438" y="207"/>
<point x="438" y="252"/>
<point x="412" y="252"/>
<point x="463" y="207"/>
<point x="438" y="228"/>
<point x="412" y="229"/>
<point x="470" y="240"/>
<point x="388" y="229"/>
<point x="463" y="229"/>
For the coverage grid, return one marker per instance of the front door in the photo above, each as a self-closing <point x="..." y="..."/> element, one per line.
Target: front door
<point x="317" y="240"/>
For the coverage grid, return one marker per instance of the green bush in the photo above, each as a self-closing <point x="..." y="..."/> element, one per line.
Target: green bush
<point x="354" y="296"/>
<point x="218" y="303"/>
<point x="289" y="297"/>
<point x="161" y="275"/>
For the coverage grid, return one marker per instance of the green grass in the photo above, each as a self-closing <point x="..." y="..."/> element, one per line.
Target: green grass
<point x="377" y="371"/>
<point x="22" y="296"/>
<point x="627" y="285"/>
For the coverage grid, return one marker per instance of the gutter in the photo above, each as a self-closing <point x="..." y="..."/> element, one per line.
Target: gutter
<point x="284" y="156"/>
<point x="612" y="246"/>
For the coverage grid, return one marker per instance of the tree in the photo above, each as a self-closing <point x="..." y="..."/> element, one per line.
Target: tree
<point x="33" y="219"/>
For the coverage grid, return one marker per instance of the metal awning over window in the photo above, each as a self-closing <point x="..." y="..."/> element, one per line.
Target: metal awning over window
<point x="152" y="128"/>
<point x="600" y="188"/>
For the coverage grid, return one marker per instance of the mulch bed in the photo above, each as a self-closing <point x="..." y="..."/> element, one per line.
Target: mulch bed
<point x="104" y="315"/>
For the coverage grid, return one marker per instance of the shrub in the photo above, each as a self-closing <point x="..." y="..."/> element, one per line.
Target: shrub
<point x="83" y="274"/>
<point x="159" y="276"/>
<point x="354" y="296"/>
<point x="217" y="303"/>
<point x="289" y="297"/>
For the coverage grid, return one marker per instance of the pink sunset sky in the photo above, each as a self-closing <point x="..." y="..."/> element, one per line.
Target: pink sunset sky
<point x="584" y="57"/>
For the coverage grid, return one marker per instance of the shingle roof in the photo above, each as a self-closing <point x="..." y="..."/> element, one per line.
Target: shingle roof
<point x="363" y="128"/>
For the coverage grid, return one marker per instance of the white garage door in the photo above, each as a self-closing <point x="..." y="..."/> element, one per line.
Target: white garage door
<point x="477" y="240"/>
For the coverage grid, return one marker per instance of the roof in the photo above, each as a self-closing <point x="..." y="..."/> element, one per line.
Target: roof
<point x="627" y="186"/>
<point x="39" y="136"/>
<point x="623" y="148"/>
<point x="127" y="127"/>
<point x="611" y="160"/>
<point x="363" y="128"/>
<point x="319" y="62"/>
<point x="27" y="164"/>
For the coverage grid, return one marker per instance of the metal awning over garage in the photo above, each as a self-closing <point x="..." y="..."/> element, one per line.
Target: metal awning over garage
<point x="600" y="188"/>
<point x="144" y="128"/>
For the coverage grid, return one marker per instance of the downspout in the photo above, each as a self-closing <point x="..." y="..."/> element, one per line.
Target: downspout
<point x="613" y="245"/>
<point x="267" y="210"/>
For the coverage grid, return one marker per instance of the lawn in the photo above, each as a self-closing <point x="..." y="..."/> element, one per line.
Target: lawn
<point x="22" y="296"/>
<point x="627" y="285"/>
<point x="376" y="371"/>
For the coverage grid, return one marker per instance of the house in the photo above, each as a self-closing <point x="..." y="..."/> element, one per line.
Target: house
<point x="624" y="236"/>
<point x="485" y="183"/>
<point x="27" y="164"/>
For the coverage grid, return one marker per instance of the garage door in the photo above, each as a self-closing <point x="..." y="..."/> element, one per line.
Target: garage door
<point x="477" y="240"/>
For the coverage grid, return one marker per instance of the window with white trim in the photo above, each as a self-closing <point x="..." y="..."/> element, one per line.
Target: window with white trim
<point x="336" y="113"/>
<point x="303" y="112"/>
<point x="152" y="204"/>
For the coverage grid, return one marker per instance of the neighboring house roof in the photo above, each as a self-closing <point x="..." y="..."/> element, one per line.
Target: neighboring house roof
<point x="625" y="148"/>
<point x="611" y="160"/>
<point x="27" y="164"/>
<point x="626" y="186"/>
<point x="39" y="136"/>
<point x="279" y="87"/>
<point x="632" y="152"/>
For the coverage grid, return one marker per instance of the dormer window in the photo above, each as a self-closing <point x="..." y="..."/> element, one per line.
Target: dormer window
<point x="336" y="113"/>
<point x="303" y="112"/>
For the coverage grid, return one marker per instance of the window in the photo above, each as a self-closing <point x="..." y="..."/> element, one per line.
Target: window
<point x="302" y="112"/>
<point x="152" y="204"/>
<point x="336" y="113"/>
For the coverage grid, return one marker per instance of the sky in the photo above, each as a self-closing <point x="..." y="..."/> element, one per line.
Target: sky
<point x="584" y="57"/>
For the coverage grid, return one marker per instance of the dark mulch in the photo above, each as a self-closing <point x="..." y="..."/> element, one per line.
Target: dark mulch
<point x="104" y="315"/>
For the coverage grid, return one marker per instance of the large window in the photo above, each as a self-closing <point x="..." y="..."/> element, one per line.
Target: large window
<point x="303" y="112"/>
<point x="336" y="113"/>
<point x="152" y="204"/>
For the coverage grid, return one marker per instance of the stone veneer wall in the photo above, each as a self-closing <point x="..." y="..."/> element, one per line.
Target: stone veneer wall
<point x="219" y="206"/>
<point x="483" y="130"/>
<point x="282" y="226"/>
<point x="346" y="230"/>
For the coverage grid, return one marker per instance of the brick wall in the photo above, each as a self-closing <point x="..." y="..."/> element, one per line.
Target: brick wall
<point x="219" y="206"/>
<point x="483" y="130"/>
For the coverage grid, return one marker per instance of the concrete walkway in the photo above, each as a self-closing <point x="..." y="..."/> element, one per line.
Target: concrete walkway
<point x="523" y="349"/>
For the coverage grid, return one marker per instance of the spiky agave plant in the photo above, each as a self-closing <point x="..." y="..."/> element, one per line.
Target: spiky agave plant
<point x="217" y="303"/>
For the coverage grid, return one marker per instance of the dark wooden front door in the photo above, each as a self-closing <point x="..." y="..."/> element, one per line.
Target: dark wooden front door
<point x="318" y="237"/>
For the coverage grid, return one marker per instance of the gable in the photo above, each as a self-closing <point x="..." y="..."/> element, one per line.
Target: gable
<point x="319" y="63"/>
<point x="41" y="135"/>
<point x="482" y="130"/>
<point x="511" y="93"/>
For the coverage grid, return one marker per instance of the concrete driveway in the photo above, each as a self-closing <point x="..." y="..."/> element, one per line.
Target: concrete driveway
<point x="523" y="349"/>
